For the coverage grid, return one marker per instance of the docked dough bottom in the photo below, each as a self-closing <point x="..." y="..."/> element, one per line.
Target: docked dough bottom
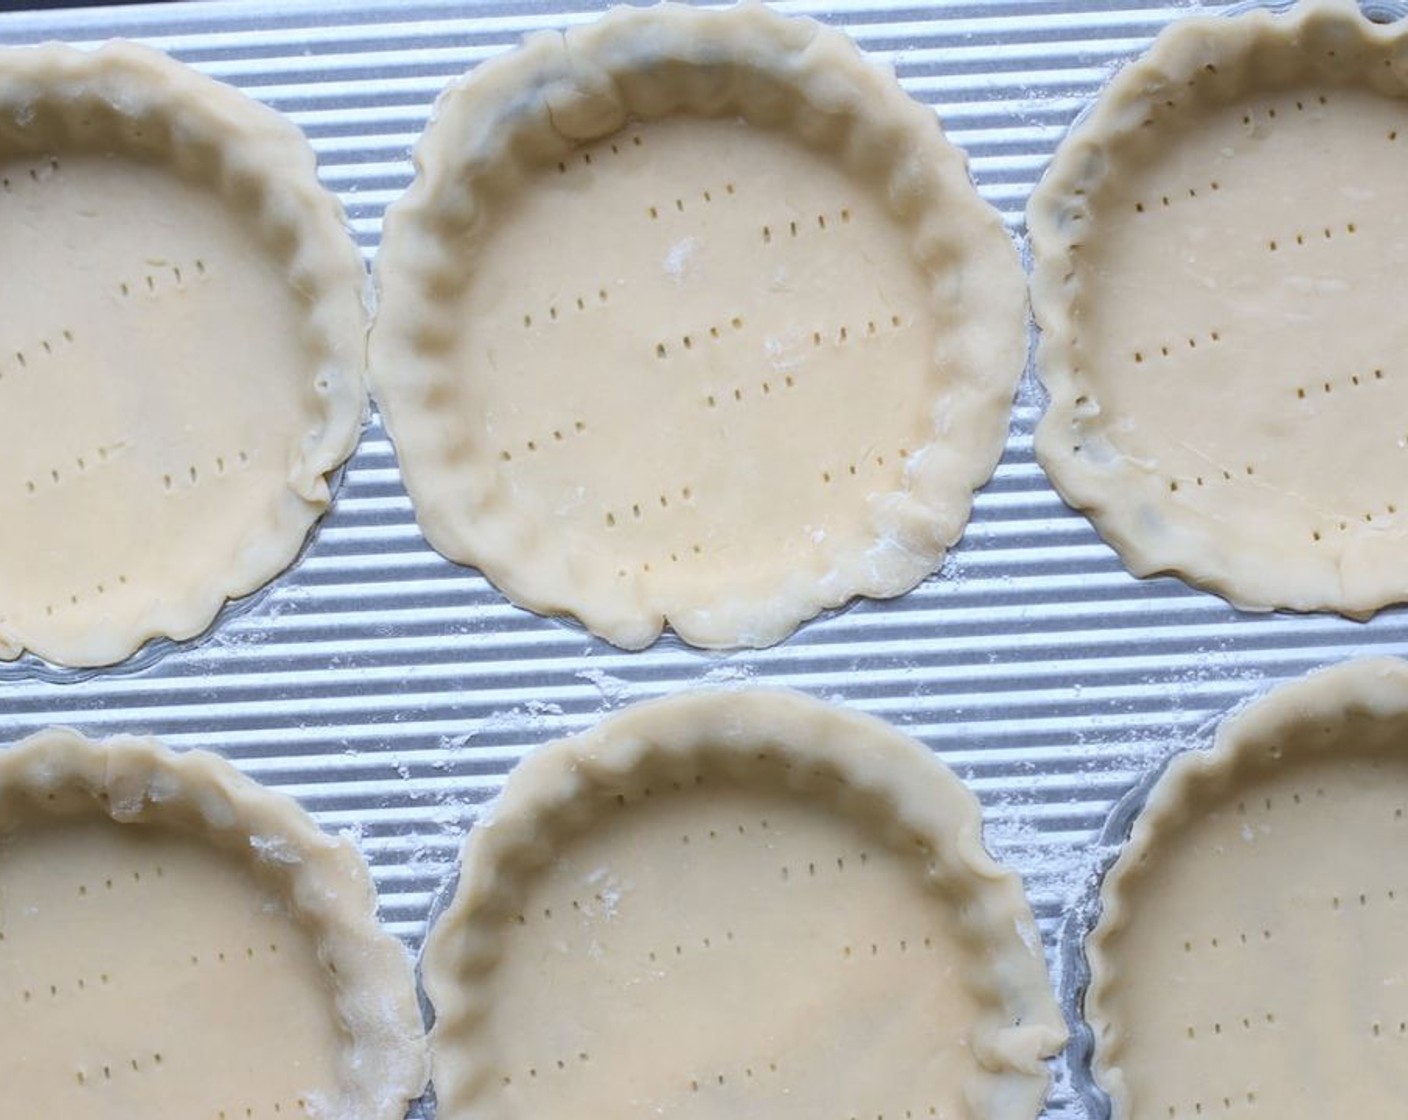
<point x="144" y="974"/>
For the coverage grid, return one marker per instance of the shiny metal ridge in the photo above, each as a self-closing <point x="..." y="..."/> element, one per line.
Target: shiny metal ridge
<point x="391" y="691"/>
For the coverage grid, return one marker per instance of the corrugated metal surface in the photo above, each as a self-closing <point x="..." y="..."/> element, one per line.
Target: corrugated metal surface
<point x="390" y="691"/>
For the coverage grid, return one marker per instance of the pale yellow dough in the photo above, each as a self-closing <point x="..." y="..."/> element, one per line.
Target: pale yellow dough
<point x="181" y="349"/>
<point x="177" y="942"/>
<point x="1219" y="251"/>
<point x="1249" y="957"/>
<point x="693" y="317"/>
<point x="737" y="904"/>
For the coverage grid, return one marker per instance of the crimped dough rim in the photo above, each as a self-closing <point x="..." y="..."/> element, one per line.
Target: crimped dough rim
<point x="1107" y="486"/>
<point x="327" y="883"/>
<point x="561" y="89"/>
<point x="820" y="747"/>
<point x="1246" y="746"/>
<point x="266" y="168"/>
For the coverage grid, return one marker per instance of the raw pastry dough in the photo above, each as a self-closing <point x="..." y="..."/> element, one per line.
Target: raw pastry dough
<point x="182" y="336"/>
<point x="737" y="904"/>
<point x="1219" y="250"/>
<point x="1249" y="958"/>
<point x="177" y="941"/>
<point x="693" y="317"/>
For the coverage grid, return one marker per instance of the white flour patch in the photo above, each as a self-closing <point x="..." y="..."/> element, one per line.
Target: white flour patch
<point x="729" y="674"/>
<point x="680" y="260"/>
<point x="274" y="849"/>
<point x="614" y="691"/>
<point x="606" y="892"/>
<point x="785" y="351"/>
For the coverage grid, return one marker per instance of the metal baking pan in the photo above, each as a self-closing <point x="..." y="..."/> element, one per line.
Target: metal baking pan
<point x="391" y="691"/>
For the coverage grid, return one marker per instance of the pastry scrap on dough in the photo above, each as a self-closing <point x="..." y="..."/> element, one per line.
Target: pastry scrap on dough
<point x="1219" y="251"/>
<point x="177" y="941"/>
<point x="737" y="904"/>
<point x="1249" y="957"/>
<point x="182" y="334"/>
<point x="693" y="318"/>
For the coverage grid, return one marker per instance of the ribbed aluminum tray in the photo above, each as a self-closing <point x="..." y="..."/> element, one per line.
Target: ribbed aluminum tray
<point x="390" y="691"/>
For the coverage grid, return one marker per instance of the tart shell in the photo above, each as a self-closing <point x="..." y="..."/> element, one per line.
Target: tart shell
<point x="182" y="350"/>
<point x="715" y="855"/>
<point x="59" y="792"/>
<point x="1217" y="248"/>
<point x="732" y="437"/>
<point x="1248" y="945"/>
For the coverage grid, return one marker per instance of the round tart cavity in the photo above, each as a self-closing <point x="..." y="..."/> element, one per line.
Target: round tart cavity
<point x="177" y="941"/>
<point x="182" y="335"/>
<point x="1218" y="252"/>
<point x="1249" y="956"/>
<point x="730" y="904"/>
<point x="693" y="318"/>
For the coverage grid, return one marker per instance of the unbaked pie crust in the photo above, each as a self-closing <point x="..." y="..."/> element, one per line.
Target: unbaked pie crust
<point x="737" y="904"/>
<point x="182" y="349"/>
<point x="176" y="941"/>
<point x="1249" y="957"/>
<point x="1219" y="255"/>
<point x="693" y="317"/>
